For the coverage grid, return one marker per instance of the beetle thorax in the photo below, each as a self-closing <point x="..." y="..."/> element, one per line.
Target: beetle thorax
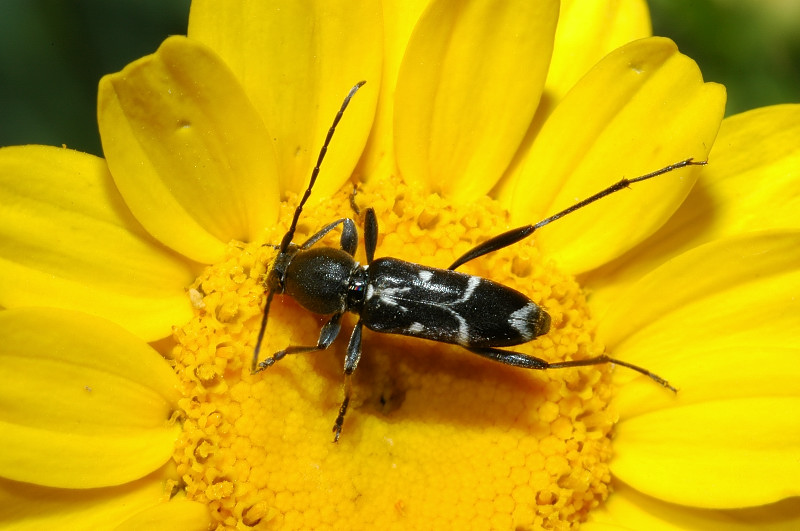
<point x="319" y="279"/>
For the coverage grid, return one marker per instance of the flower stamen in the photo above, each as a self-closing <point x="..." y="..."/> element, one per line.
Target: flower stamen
<point x="521" y="448"/>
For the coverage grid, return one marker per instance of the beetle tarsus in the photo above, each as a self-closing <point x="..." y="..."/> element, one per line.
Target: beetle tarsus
<point x="337" y="426"/>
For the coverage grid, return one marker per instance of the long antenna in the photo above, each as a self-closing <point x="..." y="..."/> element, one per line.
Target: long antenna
<point x="287" y="238"/>
<point x="261" y="331"/>
<point x="514" y="235"/>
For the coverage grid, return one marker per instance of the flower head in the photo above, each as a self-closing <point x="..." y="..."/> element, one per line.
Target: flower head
<point x="476" y="117"/>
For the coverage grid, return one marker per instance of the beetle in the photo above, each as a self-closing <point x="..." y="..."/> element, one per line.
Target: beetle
<point x="393" y="296"/>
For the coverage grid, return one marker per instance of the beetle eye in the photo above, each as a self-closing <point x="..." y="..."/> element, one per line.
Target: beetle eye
<point x="275" y="281"/>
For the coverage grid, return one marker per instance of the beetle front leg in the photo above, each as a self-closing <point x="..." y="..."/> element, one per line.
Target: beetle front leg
<point x="370" y="234"/>
<point x="350" y="364"/>
<point x="326" y="337"/>
<point x="348" y="241"/>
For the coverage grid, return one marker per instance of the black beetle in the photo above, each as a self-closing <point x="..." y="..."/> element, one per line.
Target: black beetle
<point x="393" y="296"/>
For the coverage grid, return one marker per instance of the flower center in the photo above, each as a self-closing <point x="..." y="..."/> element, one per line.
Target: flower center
<point x="435" y="436"/>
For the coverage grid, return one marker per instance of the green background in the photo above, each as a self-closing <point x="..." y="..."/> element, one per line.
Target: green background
<point x="53" y="52"/>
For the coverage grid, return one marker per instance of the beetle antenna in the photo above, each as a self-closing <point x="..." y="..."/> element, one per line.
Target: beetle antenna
<point x="514" y="235"/>
<point x="287" y="238"/>
<point x="261" y="331"/>
<point x="616" y="187"/>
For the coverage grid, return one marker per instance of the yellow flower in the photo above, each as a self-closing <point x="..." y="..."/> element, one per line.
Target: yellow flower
<point x="476" y="117"/>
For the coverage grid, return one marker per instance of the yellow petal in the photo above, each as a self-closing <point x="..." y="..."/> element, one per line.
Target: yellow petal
<point x="720" y="323"/>
<point x="641" y="108"/>
<point x="176" y="514"/>
<point x="467" y="90"/>
<point x="705" y="372"/>
<point x="399" y="19"/>
<point x="753" y="178"/>
<point x="702" y="319"/>
<point x="188" y="151"/>
<point x="729" y="293"/>
<point x="722" y="454"/>
<point x="296" y="61"/>
<point x="32" y="507"/>
<point x="752" y="182"/>
<point x="84" y="403"/>
<point x="587" y="31"/>
<point x="70" y="242"/>
<point x="628" y="509"/>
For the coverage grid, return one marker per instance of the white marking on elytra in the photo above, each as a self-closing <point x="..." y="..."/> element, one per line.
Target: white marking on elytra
<point x="463" y="327"/>
<point x="520" y="320"/>
<point x="416" y="328"/>
<point x="471" y="285"/>
<point x="389" y="295"/>
<point x="463" y="331"/>
<point x="370" y="290"/>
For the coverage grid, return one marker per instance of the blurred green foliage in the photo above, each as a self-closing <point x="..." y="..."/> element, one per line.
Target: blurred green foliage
<point x="750" y="46"/>
<point x="53" y="53"/>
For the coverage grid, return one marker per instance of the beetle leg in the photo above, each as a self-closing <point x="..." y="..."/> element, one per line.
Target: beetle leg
<point x="370" y="234"/>
<point x="327" y="335"/>
<point x="517" y="359"/>
<point x="597" y="360"/>
<point x="337" y="426"/>
<point x="348" y="240"/>
<point x="493" y="244"/>
<point x="350" y="364"/>
<point x="509" y="357"/>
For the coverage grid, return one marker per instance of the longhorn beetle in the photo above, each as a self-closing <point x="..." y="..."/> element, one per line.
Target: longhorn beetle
<point x="393" y="296"/>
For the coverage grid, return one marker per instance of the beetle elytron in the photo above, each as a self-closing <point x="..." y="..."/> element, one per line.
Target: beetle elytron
<point x="393" y="296"/>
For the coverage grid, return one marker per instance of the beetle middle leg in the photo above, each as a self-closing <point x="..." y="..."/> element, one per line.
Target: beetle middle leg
<point x="328" y="334"/>
<point x="350" y="364"/>
<point x="518" y="359"/>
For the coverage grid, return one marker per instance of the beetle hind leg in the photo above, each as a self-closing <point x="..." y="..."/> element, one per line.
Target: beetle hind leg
<point x="509" y="357"/>
<point x="517" y="359"/>
<point x="598" y="360"/>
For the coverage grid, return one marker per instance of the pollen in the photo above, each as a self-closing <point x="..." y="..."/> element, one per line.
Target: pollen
<point x="436" y="437"/>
